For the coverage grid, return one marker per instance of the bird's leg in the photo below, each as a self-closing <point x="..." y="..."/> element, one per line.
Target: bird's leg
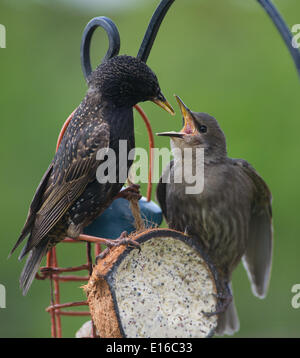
<point x="122" y="240"/>
<point x="48" y="270"/>
<point x="130" y="192"/>
<point x="224" y="300"/>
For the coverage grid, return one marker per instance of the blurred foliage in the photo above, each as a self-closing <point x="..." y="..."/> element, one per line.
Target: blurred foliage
<point x="223" y="57"/>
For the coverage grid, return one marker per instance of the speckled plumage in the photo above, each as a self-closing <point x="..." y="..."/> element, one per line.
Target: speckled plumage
<point x="231" y="217"/>
<point x="69" y="196"/>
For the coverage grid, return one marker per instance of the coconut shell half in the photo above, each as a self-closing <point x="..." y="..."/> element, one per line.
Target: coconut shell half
<point x="162" y="290"/>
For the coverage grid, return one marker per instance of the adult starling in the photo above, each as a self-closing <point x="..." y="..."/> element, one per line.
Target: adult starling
<point x="231" y="217"/>
<point x="69" y="197"/>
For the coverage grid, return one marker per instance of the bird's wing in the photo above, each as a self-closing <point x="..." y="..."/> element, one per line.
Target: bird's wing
<point x="73" y="169"/>
<point x="258" y="257"/>
<point x="162" y="188"/>
<point x="34" y="207"/>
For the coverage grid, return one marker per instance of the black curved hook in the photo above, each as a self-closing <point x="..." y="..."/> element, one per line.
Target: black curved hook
<point x="113" y="37"/>
<point x="283" y="29"/>
<point x="153" y="28"/>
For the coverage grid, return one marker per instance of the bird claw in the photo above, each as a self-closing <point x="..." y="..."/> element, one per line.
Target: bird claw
<point x="129" y="193"/>
<point x="224" y="300"/>
<point x="122" y="240"/>
<point x="48" y="270"/>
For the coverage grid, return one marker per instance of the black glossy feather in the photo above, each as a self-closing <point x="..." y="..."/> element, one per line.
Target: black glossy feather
<point x="34" y="207"/>
<point x="69" y="196"/>
<point x="32" y="265"/>
<point x="70" y="183"/>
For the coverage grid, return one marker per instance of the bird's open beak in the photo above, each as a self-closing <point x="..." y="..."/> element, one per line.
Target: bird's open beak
<point x="189" y="126"/>
<point x="163" y="103"/>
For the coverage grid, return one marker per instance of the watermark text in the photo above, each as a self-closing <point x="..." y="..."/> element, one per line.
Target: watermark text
<point x="2" y="36"/>
<point x="296" y="38"/>
<point x="2" y="296"/>
<point x="188" y="168"/>
<point x="296" y="298"/>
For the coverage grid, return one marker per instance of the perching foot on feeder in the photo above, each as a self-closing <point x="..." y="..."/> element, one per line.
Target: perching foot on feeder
<point x="122" y="240"/>
<point x="47" y="271"/>
<point x="131" y="192"/>
<point x="224" y="300"/>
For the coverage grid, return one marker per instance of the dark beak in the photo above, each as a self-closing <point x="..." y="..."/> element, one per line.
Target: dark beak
<point x="171" y="134"/>
<point x="161" y="101"/>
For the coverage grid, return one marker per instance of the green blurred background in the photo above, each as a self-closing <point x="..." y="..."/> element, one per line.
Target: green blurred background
<point x="223" y="57"/>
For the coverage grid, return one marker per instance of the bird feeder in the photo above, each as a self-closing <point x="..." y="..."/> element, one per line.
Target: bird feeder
<point x="166" y="289"/>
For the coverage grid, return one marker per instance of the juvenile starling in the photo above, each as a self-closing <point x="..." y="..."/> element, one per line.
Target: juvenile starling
<point x="69" y="197"/>
<point x="231" y="217"/>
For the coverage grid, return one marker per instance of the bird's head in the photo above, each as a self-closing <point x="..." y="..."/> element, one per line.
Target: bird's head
<point x="126" y="81"/>
<point x="200" y="130"/>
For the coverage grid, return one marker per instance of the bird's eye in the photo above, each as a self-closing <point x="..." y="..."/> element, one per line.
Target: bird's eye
<point x="203" y="129"/>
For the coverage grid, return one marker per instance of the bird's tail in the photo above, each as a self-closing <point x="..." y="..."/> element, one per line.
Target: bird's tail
<point x="228" y="321"/>
<point x="32" y="265"/>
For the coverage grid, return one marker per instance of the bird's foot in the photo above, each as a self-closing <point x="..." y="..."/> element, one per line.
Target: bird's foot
<point x="122" y="240"/>
<point x="130" y="192"/>
<point x="224" y="300"/>
<point x="47" y="271"/>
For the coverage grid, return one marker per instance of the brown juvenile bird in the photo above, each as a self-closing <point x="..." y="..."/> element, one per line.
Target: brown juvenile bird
<point x="69" y="196"/>
<point x="231" y="216"/>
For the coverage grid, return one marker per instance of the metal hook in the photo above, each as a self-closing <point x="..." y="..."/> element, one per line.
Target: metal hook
<point x="114" y="42"/>
<point x="153" y="28"/>
<point x="114" y="37"/>
<point x="283" y="29"/>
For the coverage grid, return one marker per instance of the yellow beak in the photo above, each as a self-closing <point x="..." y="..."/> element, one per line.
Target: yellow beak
<point x="164" y="104"/>
<point x="189" y="127"/>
